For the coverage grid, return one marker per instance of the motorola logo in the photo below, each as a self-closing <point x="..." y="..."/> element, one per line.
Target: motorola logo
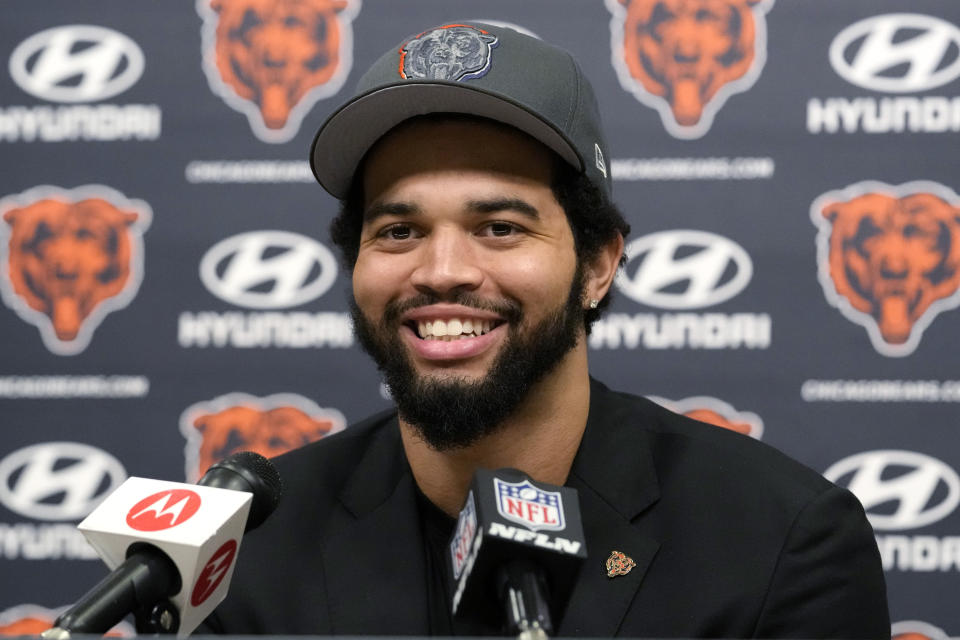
<point x="58" y="480"/>
<point x="268" y="269"/>
<point x="164" y="510"/>
<point x="76" y="63"/>
<point x="213" y="573"/>
<point x="898" y="53"/>
<point x="684" y="269"/>
<point x="899" y="489"/>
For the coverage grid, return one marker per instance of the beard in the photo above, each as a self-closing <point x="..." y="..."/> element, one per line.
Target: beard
<point x="452" y="413"/>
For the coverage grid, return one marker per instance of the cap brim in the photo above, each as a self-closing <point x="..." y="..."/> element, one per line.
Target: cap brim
<point x="348" y="134"/>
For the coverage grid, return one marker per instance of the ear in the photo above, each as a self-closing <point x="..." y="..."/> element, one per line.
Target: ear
<point x="600" y="271"/>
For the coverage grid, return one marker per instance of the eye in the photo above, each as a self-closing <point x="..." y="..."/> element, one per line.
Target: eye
<point x="703" y="15"/>
<point x="868" y="228"/>
<point x="397" y="231"/>
<point x="499" y="229"/>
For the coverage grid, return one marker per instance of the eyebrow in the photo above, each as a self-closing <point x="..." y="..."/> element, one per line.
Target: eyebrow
<point x="504" y="204"/>
<point x="379" y="209"/>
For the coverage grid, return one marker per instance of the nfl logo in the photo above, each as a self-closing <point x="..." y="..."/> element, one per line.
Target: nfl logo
<point x="525" y="504"/>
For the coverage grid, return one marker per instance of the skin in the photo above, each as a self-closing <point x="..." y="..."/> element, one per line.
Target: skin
<point x="466" y="206"/>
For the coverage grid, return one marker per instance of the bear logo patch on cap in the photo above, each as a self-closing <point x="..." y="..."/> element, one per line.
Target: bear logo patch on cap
<point x="451" y="52"/>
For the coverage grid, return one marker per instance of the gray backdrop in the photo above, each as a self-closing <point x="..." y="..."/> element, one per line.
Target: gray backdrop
<point x="170" y="292"/>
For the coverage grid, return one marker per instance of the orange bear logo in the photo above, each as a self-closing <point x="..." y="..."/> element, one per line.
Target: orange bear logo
<point x="239" y="422"/>
<point x="26" y="627"/>
<point x="686" y="57"/>
<point x="32" y="620"/>
<point x="889" y="258"/>
<point x="274" y="59"/>
<point x="70" y="258"/>
<point x="716" y="412"/>
<point x="916" y="630"/>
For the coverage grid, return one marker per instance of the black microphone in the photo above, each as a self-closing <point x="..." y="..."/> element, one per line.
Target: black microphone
<point x="518" y="541"/>
<point x="134" y="523"/>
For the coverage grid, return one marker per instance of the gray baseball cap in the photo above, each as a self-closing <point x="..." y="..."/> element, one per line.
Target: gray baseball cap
<point x="469" y="68"/>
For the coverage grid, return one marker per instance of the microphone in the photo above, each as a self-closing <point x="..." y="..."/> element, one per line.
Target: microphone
<point x="171" y="547"/>
<point x="521" y="542"/>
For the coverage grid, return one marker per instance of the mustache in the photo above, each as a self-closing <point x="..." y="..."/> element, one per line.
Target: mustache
<point x="506" y="309"/>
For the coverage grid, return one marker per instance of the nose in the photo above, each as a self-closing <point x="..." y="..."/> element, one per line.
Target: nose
<point x="447" y="263"/>
<point x="894" y="268"/>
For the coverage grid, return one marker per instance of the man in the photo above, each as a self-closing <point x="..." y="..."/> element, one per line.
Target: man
<point x="478" y="223"/>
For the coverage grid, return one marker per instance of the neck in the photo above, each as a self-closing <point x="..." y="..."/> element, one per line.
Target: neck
<point x="540" y="437"/>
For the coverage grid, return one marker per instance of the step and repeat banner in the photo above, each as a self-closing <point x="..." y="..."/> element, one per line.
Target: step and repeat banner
<point x="170" y="294"/>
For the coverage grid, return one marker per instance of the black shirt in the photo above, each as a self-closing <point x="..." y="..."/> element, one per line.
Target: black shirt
<point x="486" y="619"/>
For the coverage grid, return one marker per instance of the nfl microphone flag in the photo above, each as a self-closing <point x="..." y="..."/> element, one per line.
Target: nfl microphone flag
<point x="508" y="520"/>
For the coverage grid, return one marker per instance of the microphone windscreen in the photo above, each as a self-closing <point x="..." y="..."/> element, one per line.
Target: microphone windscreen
<point x="251" y="472"/>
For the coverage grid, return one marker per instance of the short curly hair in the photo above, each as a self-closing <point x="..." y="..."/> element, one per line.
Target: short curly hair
<point x="594" y="220"/>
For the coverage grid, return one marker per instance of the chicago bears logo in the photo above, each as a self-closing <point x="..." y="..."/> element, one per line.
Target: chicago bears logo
<point x="889" y="257"/>
<point x="452" y="52"/>
<point x="716" y="412"/>
<point x="274" y="59"/>
<point x="686" y="57"/>
<point x="32" y="620"/>
<point x="916" y="630"/>
<point x="240" y="422"/>
<point x="67" y="258"/>
<point x="619" y="564"/>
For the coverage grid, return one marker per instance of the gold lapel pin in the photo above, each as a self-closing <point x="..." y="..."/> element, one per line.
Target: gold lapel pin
<point x="619" y="564"/>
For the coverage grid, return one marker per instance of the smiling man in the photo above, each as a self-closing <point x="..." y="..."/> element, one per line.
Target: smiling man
<point x="478" y="222"/>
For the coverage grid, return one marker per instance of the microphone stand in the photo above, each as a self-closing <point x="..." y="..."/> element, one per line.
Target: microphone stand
<point x="523" y="590"/>
<point x="153" y="613"/>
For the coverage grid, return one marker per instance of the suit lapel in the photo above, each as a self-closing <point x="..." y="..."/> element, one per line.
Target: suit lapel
<point x="614" y="475"/>
<point x="373" y="551"/>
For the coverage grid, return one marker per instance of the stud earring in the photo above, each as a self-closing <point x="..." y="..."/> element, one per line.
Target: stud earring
<point x="594" y="303"/>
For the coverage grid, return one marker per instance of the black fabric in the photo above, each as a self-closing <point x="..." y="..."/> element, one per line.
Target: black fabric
<point x="730" y="538"/>
<point x="437" y="529"/>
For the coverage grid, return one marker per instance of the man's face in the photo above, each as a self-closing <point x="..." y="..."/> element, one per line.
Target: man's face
<point x="467" y="287"/>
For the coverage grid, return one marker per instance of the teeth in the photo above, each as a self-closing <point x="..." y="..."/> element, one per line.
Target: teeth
<point x="453" y="329"/>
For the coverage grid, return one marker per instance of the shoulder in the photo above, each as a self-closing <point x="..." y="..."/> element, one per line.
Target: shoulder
<point x="286" y="551"/>
<point x="786" y="548"/>
<point x="323" y="467"/>
<point x="685" y="451"/>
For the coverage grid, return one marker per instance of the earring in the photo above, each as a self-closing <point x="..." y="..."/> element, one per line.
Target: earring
<point x="594" y="303"/>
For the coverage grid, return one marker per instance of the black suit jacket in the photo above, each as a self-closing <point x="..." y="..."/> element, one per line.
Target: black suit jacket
<point x="730" y="537"/>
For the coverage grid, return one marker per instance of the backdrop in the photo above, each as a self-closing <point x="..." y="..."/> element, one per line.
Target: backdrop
<point x="170" y="293"/>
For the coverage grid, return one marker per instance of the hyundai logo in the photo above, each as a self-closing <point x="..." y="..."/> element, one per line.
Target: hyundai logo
<point x="268" y="269"/>
<point x="899" y="489"/>
<point x="897" y="53"/>
<point x="76" y="63"/>
<point x="684" y="269"/>
<point x="58" y="480"/>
